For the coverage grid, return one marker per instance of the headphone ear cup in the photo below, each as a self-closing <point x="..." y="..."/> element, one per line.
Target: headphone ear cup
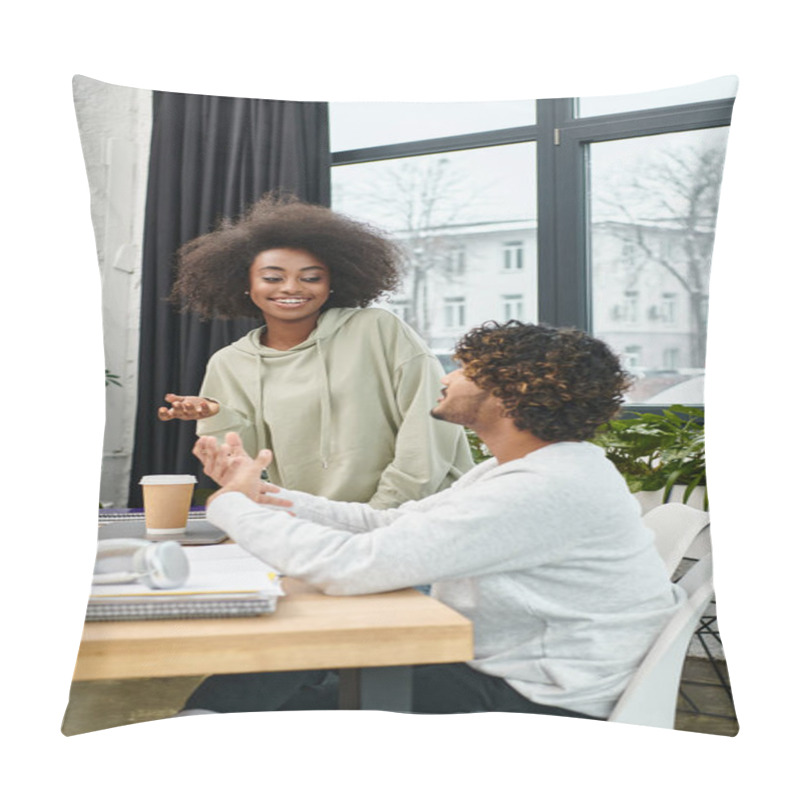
<point x="114" y="562"/>
<point x="162" y="565"/>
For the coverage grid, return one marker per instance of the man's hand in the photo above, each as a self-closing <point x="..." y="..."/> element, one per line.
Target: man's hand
<point x="233" y="469"/>
<point x="187" y="407"/>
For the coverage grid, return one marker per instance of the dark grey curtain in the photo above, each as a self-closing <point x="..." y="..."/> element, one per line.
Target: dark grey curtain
<point x="210" y="157"/>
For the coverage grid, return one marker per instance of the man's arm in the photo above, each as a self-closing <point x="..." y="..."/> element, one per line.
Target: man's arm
<point x="466" y="534"/>
<point x="231" y="467"/>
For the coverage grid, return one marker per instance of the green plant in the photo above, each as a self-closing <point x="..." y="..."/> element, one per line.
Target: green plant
<point x="658" y="451"/>
<point x="476" y="447"/>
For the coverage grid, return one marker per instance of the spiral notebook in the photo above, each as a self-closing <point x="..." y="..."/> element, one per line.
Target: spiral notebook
<point x="224" y="581"/>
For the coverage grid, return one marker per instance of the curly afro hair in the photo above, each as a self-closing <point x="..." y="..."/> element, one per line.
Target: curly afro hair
<point x="559" y="384"/>
<point x="214" y="269"/>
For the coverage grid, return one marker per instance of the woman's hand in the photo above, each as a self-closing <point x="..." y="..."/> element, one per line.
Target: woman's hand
<point x="233" y="469"/>
<point x="187" y="407"/>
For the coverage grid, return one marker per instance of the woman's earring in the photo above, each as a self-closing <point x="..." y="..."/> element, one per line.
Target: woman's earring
<point x="247" y="292"/>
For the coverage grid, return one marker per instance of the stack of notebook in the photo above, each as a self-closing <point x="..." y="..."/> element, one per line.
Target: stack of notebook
<point x="224" y="581"/>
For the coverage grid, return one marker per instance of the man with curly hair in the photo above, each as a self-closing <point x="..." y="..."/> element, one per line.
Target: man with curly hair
<point x="542" y="546"/>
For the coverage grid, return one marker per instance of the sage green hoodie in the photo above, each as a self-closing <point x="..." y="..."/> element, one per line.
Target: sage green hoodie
<point x="346" y="413"/>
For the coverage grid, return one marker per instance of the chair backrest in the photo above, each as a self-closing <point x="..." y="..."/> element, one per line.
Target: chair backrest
<point x="652" y="694"/>
<point x="680" y="530"/>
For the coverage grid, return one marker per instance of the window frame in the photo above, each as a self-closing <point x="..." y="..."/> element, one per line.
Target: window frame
<point x="456" y="307"/>
<point x="562" y="140"/>
<point x="517" y="301"/>
<point x="513" y="257"/>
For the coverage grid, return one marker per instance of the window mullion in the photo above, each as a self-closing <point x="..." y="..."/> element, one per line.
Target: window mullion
<point x="563" y="272"/>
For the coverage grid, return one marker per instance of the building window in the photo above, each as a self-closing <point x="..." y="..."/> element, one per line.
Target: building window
<point x="455" y="264"/>
<point x="658" y="195"/>
<point x="632" y="357"/>
<point x="402" y="308"/>
<point x="625" y="255"/>
<point x="513" y="307"/>
<point x="455" y="312"/>
<point x="671" y="358"/>
<point x="668" y="308"/>
<point x="450" y="217"/>
<point x="513" y="256"/>
<point x="630" y="307"/>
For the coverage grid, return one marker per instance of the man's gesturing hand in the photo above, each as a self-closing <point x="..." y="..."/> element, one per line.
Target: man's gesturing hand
<point x="233" y="469"/>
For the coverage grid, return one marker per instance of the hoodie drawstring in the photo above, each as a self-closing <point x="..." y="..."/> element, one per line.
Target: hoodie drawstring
<point x="325" y="407"/>
<point x="261" y="439"/>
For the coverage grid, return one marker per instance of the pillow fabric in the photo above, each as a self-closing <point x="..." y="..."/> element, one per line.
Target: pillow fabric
<point x="598" y="214"/>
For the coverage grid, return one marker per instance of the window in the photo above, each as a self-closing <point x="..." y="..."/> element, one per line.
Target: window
<point x="631" y="357"/>
<point x="452" y="213"/>
<point x="657" y="195"/>
<point x="402" y="308"/>
<point x="513" y="307"/>
<point x="361" y="125"/>
<point x="703" y="313"/>
<point x="630" y="307"/>
<point x="513" y="256"/>
<point x="716" y="89"/>
<point x="671" y="358"/>
<point x="588" y="204"/>
<point x="668" y="312"/>
<point x="455" y="314"/>
<point x="456" y="261"/>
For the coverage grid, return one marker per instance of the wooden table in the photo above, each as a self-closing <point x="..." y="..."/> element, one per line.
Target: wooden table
<point x="371" y="639"/>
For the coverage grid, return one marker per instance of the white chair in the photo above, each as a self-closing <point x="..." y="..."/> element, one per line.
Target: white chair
<point x="680" y="531"/>
<point x="652" y="694"/>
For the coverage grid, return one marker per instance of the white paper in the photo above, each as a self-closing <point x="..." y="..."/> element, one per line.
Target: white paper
<point x="219" y="568"/>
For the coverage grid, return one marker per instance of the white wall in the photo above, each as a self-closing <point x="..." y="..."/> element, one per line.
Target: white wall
<point x="114" y="124"/>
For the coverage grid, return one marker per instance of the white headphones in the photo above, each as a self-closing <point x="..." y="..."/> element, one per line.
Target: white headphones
<point x="159" y="565"/>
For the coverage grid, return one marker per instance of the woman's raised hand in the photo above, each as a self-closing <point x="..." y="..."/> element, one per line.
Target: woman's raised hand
<point x="187" y="407"/>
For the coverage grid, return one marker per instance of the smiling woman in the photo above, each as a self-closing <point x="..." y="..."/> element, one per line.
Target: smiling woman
<point x="289" y="287"/>
<point x="340" y="393"/>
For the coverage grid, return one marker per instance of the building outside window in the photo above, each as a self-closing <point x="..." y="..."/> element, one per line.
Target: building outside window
<point x="455" y="312"/>
<point x="671" y="358"/>
<point x="630" y="307"/>
<point x="602" y="211"/>
<point x="513" y="307"/>
<point x="513" y="256"/>
<point x="452" y="216"/>
<point x="632" y="357"/>
<point x="668" y="308"/>
<point x="703" y="313"/>
<point x="455" y="261"/>
<point x="402" y="308"/>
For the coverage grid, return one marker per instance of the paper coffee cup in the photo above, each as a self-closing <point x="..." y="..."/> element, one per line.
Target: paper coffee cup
<point x="167" y="499"/>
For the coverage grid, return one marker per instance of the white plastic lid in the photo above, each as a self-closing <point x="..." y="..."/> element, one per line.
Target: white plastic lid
<point x="157" y="480"/>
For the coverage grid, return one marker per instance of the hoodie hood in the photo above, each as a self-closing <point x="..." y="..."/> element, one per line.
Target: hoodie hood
<point x="328" y="323"/>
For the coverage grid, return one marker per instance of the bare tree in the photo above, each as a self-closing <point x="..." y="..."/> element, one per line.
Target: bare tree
<point x="673" y="197"/>
<point x="417" y="199"/>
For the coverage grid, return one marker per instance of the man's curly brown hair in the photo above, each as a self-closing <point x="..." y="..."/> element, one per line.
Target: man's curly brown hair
<point x="214" y="269"/>
<point x="559" y="384"/>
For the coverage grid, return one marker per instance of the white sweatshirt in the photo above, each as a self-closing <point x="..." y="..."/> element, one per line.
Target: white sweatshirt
<point x="546" y="554"/>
